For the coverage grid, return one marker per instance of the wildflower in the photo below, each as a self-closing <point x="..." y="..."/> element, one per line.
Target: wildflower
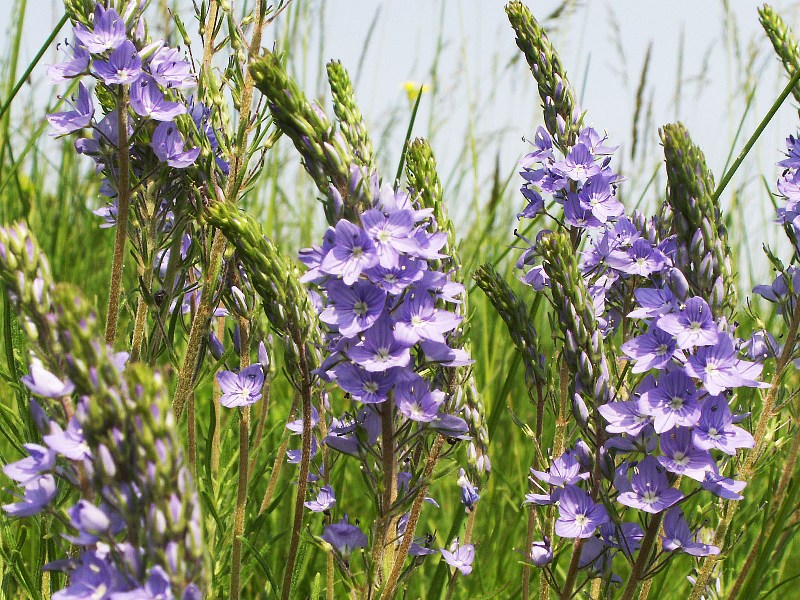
<point x="460" y="557"/>
<point x="692" y="326"/>
<point x="167" y="144"/>
<point x="42" y="382"/>
<point x="677" y="536"/>
<point x="38" y="493"/>
<point x="149" y="101"/>
<point x="73" y="120"/>
<point x="170" y="70"/>
<point x="649" y="489"/>
<point x="682" y="457"/>
<point x="353" y="308"/>
<point x="719" y="369"/>
<point x="324" y="500"/>
<point x="715" y="428"/>
<point x="541" y="553"/>
<point x="108" y="31"/>
<point x="653" y="350"/>
<point x="243" y="388"/>
<point x="124" y="66"/>
<point x="578" y="515"/>
<point x="353" y="252"/>
<point x="77" y="65"/>
<point x="344" y="537"/>
<point x="469" y="493"/>
<point x="672" y="402"/>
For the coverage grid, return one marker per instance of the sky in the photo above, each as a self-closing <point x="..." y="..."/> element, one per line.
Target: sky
<point x="483" y="100"/>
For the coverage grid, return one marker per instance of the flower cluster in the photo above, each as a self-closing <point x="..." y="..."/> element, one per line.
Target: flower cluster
<point x="136" y="522"/>
<point x="384" y="303"/>
<point x="669" y="420"/>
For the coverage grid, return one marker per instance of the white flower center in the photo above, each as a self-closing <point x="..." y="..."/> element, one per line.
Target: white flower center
<point x="417" y="321"/>
<point x="357" y="252"/>
<point x="680" y="459"/>
<point x="370" y="387"/>
<point x="713" y="433"/>
<point x="649" y="497"/>
<point x="360" y="308"/>
<point x="676" y="403"/>
<point x="581" y="520"/>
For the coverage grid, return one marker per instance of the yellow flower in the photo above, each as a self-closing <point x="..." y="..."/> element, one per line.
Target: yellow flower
<point x="413" y="90"/>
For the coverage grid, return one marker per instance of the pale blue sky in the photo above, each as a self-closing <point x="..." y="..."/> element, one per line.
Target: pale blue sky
<point x="602" y="45"/>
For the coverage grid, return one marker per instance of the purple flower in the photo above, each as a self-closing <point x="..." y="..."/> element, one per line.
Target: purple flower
<point x="122" y="67"/>
<point x="693" y="326"/>
<point x="353" y="251"/>
<point x="673" y="402"/>
<point x="677" y="536"/>
<point x="324" y="501"/>
<point x="38" y="494"/>
<point x="578" y="165"/>
<point x="649" y="489"/>
<point x="597" y="196"/>
<point x="170" y="70"/>
<point x="576" y="215"/>
<point x="719" y="369"/>
<point x="541" y="553"/>
<point x="396" y="279"/>
<point x="77" y="65"/>
<point x="344" y="537"/>
<point x="379" y="349"/>
<point x="167" y="144"/>
<point x="653" y="302"/>
<point x="417" y="318"/>
<point x="416" y="401"/>
<point x="543" y="144"/>
<point x="95" y="577"/>
<point x="243" y="388"/>
<point x="716" y="429"/>
<point x="69" y="443"/>
<point x="42" y="382"/>
<point x="459" y="557"/>
<point x="351" y="434"/>
<point x="108" y="31"/>
<point x="682" y="457"/>
<point x="578" y="516"/>
<point x="469" y="493"/>
<point x="27" y="469"/>
<point x="369" y="387"/>
<point x="624" y="417"/>
<point x="92" y="522"/>
<point x="148" y="101"/>
<point x="653" y="350"/>
<point x="564" y="470"/>
<point x="353" y="308"/>
<point x="392" y="234"/>
<point x="724" y="487"/>
<point x="640" y="259"/>
<point x="73" y="120"/>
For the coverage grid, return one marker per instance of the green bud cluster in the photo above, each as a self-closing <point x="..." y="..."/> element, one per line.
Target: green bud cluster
<point x="783" y="41"/>
<point x="276" y="279"/>
<point x="562" y="117"/>
<point x="515" y="314"/>
<point x="703" y="254"/>
<point x="349" y="116"/>
<point x="327" y="154"/>
<point x="583" y="343"/>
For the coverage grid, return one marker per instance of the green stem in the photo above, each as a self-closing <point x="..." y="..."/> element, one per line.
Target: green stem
<point x="756" y="134"/>
<point x="381" y="550"/>
<point x="241" y="492"/>
<point x="147" y="283"/>
<point x="123" y="208"/>
<point x="305" y="460"/>
<point x="572" y="572"/>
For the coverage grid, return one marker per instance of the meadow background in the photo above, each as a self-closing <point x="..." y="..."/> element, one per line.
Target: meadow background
<point x="636" y="66"/>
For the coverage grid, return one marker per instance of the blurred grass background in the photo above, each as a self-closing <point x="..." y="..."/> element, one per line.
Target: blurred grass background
<point x="45" y="183"/>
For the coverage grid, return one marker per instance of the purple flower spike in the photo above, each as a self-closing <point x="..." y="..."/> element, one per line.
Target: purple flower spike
<point x="243" y="388"/>
<point x="324" y="501"/>
<point x="578" y="516"/>
<point x="42" y="382"/>
<point x="148" y="101"/>
<point x="73" y="120"/>
<point x="352" y="253"/>
<point x="38" y="494"/>
<point x="460" y="557"/>
<point x="677" y="536"/>
<point x="650" y="491"/>
<point x="122" y="67"/>
<point x="168" y="146"/>
<point x="716" y="429"/>
<point x="693" y="326"/>
<point x="672" y="402"/>
<point x="682" y="457"/>
<point x="579" y="164"/>
<point x="108" y="31"/>
<point x="344" y="537"/>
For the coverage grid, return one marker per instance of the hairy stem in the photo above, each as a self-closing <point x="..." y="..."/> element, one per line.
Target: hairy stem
<point x="381" y="550"/>
<point x="413" y="518"/>
<point x="305" y="460"/>
<point x="123" y="208"/>
<point x="643" y="558"/>
<point x="572" y="572"/>
<point x="241" y="491"/>
<point x="147" y="284"/>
